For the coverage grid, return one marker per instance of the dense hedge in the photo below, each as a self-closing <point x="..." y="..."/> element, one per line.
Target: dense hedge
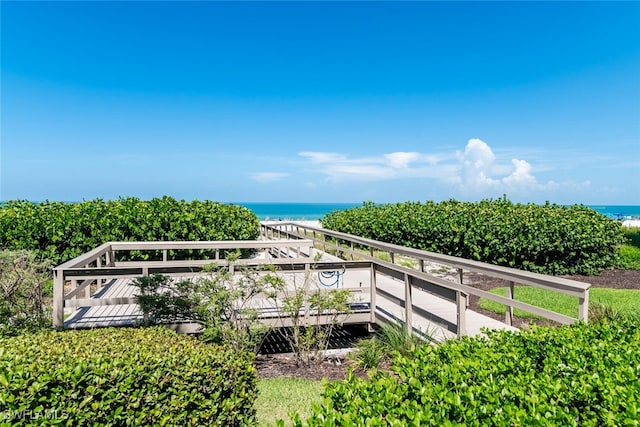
<point x="116" y="377"/>
<point x="541" y="238"/>
<point x="61" y="231"/>
<point x="582" y="375"/>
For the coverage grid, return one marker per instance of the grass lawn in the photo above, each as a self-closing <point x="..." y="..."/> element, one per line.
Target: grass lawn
<point x="623" y="300"/>
<point x="277" y="397"/>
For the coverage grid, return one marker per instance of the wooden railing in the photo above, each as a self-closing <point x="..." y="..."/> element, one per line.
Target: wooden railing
<point x="293" y="251"/>
<point x="87" y="274"/>
<point x="351" y="246"/>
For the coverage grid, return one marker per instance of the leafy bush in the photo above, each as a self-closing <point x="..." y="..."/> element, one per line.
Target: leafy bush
<point x="148" y="376"/>
<point x="61" y="231"/>
<point x="541" y="238"/>
<point x="220" y="300"/>
<point x="632" y="234"/>
<point x="586" y="375"/>
<point x="629" y="257"/>
<point x="23" y="279"/>
<point x="302" y="307"/>
<point x="391" y="339"/>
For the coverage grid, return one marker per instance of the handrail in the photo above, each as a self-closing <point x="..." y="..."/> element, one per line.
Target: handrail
<point x="88" y="269"/>
<point x="512" y="275"/>
<point x="102" y="259"/>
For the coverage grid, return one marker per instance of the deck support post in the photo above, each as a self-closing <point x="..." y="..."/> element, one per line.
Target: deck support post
<point x="461" y="281"/>
<point x="583" y="307"/>
<point x="99" y="280"/>
<point x="373" y="292"/>
<point x="509" y="309"/>
<point x="461" y="303"/>
<point x="58" y="298"/>
<point x="408" y="304"/>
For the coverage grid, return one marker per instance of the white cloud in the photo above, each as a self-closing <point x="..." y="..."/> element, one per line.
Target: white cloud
<point x="401" y="159"/>
<point x="269" y="176"/>
<point x="475" y="170"/>
<point x="478" y="154"/>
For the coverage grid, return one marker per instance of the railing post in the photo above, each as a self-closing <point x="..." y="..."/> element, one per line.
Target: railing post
<point x="509" y="311"/>
<point x="164" y="255"/>
<point x="99" y="281"/>
<point x="74" y="285"/>
<point x="461" y="281"/>
<point x="408" y="304"/>
<point x="393" y="257"/>
<point x="58" y="298"/>
<point x="461" y="303"/>
<point x="583" y="309"/>
<point x="109" y="258"/>
<point x="421" y="263"/>
<point x="373" y="291"/>
<point x="145" y="315"/>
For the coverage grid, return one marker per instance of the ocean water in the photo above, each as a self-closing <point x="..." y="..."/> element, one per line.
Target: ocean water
<point x="315" y="211"/>
<point x="618" y="211"/>
<point x="295" y="211"/>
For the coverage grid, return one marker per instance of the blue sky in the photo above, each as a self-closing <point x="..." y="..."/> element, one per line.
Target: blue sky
<point x="321" y="101"/>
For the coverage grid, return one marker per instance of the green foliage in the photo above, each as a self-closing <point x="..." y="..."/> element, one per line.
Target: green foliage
<point x="369" y="353"/>
<point x="163" y="300"/>
<point x="60" y="231"/>
<point x="116" y="377"/>
<point x="626" y="301"/>
<point x="581" y="375"/>
<point x="599" y="311"/>
<point x="632" y="234"/>
<point x="629" y="257"/>
<point x="301" y="306"/>
<point x="541" y="238"/>
<point x="219" y="300"/>
<point x="391" y="339"/>
<point x="23" y="278"/>
<point x="225" y="306"/>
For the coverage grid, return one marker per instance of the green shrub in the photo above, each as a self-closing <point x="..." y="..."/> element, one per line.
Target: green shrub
<point x="114" y="377"/>
<point x="632" y="234"/>
<point x="629" y="257"/>
<point x="61" y="231"/>
<point x="369" y="353"/>
<point x="579" y="375"/>
<point x="541" y="238"/>
<point x="23" y="279"/>
<point x="221" y="301"/>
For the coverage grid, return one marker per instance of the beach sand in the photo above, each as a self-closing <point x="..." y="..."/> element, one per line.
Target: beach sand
<point x="312" y="223"/>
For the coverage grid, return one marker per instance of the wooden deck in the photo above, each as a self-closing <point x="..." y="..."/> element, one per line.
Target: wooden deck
<point x="432" y="315"/>
<point x="101" y="292"/>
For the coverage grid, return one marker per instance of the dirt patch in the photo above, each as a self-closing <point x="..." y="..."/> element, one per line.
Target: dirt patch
<point x="284" y="366"/>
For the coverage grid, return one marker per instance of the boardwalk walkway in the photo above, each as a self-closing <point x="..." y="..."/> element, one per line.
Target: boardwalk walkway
<point x="95" y="289"/>
<point x="432" y="315"/>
